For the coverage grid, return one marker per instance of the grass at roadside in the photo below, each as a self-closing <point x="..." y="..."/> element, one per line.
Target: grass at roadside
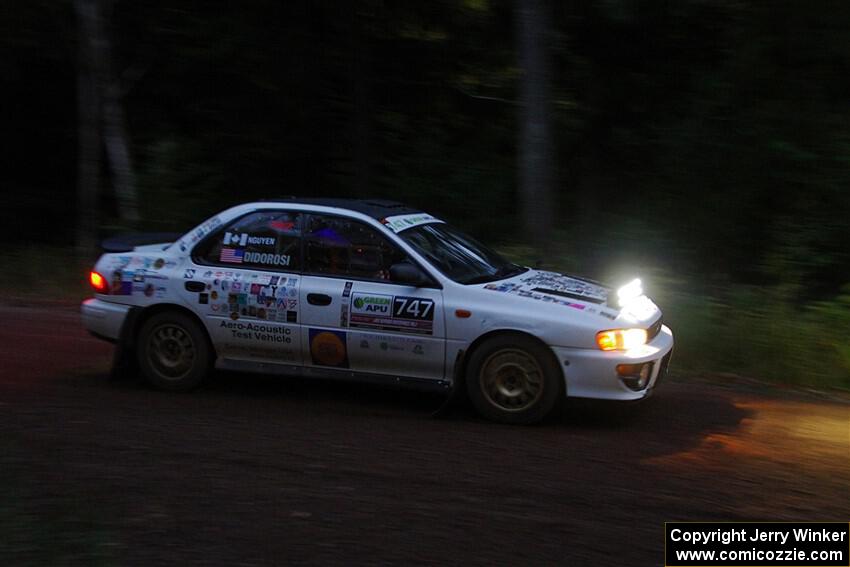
<point x="760" y="333"/>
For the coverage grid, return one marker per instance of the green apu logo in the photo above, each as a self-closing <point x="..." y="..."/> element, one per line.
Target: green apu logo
<point x="373" y="304"/>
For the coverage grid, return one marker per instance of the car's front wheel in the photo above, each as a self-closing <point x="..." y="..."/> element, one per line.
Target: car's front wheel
<point x="173" y="351"/>
<point x="513" y="379"/>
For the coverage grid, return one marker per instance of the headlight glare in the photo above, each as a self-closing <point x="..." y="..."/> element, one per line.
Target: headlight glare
<point x="629" y="292"/>
<point x="621" y="339"/>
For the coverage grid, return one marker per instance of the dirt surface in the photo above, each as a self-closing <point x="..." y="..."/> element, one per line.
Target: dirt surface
<point x="268" y="470"/>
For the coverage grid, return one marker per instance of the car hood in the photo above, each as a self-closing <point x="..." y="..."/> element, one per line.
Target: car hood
<point x="580" y="294"/>
<point x="551" y="287"/>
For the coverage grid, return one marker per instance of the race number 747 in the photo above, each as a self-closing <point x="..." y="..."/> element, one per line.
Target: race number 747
<point x="413" y="308"/>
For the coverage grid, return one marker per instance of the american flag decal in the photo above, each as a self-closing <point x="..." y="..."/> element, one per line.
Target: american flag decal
<point x="232" y="255"/>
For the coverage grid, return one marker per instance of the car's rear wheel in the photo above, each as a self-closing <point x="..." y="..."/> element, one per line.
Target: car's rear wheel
<point x="513" y="379"/>
<point x="173" y="352"/>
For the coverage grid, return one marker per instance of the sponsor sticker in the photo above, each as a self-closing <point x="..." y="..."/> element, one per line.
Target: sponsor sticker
<point x="270" y="352"/>
<point x="119" y="285"/>
<point x="397" y="223"/>
<point x="328" y="348"/>
<point x="371" y="303"/>
<point x="388" y="343"/>
<point x="518" y="289"/>
<point x="257" y="296"/>
<point x="200" y="232"/>
<point x="397" y="313"/>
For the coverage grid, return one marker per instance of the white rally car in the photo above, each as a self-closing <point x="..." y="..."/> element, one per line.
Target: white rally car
<point x="372" y="290"/>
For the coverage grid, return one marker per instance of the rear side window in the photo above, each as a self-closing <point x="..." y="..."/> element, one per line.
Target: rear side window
<point x="264" y="240"/>
<point x="337" y="246"/>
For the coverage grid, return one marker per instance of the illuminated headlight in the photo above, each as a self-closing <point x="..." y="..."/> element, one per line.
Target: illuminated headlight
<point x="629" y="292"/>
<point x="621" y="339"/>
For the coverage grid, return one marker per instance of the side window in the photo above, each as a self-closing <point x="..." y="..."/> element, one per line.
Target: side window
<point x="264" y="240"/>
<point x="348" y="248"/>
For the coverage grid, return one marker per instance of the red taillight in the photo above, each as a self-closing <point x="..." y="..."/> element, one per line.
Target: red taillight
<point x="98" y="283"/>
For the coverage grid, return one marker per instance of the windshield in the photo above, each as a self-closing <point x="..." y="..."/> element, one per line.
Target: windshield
<point x="458" y="256"/>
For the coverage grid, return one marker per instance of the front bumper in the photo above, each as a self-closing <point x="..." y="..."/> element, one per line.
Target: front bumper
<point x="103" y="318"/>
<point x="592" y="373"/>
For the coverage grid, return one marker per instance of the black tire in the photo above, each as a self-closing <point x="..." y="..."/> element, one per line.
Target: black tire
<point x="513" y="379"/>
<point x="173" y="351"/>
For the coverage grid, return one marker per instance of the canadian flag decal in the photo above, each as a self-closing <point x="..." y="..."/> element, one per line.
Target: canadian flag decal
<point x="235" y="239"/>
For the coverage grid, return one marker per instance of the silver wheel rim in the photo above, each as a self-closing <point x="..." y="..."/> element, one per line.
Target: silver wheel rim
<point x="171" y="351"/>
<point x="511" y="380"/>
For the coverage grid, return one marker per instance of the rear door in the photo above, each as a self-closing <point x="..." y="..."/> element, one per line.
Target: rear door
<point x="245" y="280"/>
<point x="353" y="316"/>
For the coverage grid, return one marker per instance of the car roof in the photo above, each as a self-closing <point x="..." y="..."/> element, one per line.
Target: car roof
<point x="376" y="208"/>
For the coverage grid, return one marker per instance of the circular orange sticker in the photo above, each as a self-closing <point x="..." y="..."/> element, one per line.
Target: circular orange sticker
<point x="328" y="349"/>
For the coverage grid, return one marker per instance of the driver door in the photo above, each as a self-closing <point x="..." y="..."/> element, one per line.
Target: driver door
<point x="354" y="316"/>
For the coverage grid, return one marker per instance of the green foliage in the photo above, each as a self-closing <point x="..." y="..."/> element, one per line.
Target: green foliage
<point x="756" y="332"/>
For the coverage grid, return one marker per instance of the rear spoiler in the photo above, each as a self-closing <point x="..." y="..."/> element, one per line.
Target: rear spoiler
<point x="127" y="242"/>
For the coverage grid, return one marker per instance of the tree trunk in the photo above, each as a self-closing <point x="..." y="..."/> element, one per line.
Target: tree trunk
<point x="115" y="137"/>
<point x="117" y="145"/>
<point x="535" y="137"/>
<point x="89" y="77"/>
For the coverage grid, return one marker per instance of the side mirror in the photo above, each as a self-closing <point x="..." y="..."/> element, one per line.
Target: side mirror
<point x="408" y="274"/>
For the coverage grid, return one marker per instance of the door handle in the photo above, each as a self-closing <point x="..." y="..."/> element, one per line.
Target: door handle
<point x="319" y="299"/>
<point x="195" y="286"/>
